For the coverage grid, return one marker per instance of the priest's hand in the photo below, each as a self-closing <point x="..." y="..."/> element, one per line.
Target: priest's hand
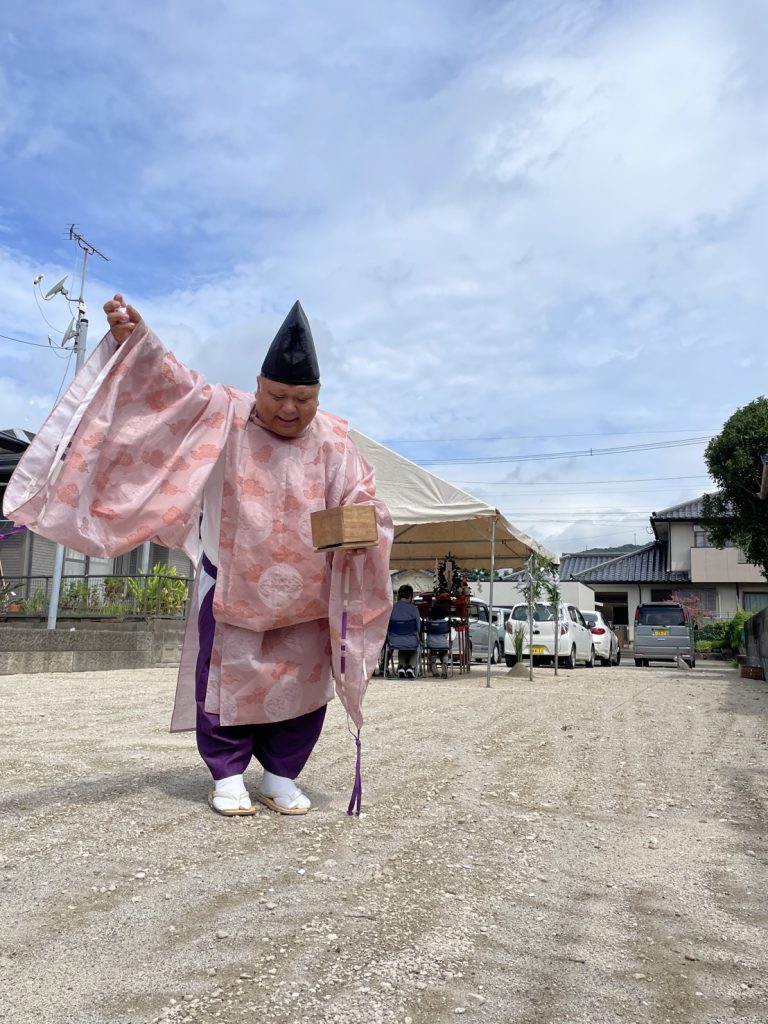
<point x="121" y="318"/>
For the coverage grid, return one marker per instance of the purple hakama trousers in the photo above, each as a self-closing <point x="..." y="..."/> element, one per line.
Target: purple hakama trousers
<point x="282" y="748"/>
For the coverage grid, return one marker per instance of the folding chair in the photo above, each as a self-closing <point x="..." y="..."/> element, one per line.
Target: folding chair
<point x="439" y="640"/>
<point x="399" y="631"/>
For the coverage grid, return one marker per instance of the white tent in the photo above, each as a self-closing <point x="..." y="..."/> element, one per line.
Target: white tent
<point x="433" y="518"/>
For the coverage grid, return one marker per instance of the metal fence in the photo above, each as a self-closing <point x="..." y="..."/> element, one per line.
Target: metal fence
<point x="153" y="595"/>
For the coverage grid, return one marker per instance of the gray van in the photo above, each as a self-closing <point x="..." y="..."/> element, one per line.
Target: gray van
<point x="663" y="630"/>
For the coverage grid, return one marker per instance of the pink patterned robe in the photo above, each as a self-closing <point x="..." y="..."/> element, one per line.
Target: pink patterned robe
<point x="146" y="442"/>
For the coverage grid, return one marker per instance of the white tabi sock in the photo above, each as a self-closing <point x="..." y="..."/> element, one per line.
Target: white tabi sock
<point x="230" y="793"/>
<point x="283" y="791"/>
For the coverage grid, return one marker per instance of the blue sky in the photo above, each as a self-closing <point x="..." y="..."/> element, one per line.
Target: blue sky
<point x="504" y="220"/>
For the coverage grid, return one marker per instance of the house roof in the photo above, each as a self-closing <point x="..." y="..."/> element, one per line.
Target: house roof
<point x="646" y="565"/>
<point x="14" y="439"/>
<point x="690" y="511"/>
<point x="580" y="561"/>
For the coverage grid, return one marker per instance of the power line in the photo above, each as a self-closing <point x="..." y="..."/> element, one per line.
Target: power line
<point x="20" y="341"/>
<point x="589" y="452"/>
<point x="576" y="492"/>
<point x="543" y="437"/>
<point x="66" y="372"/>
<point x="567" y="483"/>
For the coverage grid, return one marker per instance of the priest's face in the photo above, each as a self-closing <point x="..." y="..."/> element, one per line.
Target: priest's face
<point x="286" y="409"/>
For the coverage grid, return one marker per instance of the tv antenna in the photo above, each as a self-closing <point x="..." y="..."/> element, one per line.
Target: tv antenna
<point x="78" y="325"/>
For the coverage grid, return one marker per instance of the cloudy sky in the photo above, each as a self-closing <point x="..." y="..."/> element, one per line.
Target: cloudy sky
<point x="521" y="231"/>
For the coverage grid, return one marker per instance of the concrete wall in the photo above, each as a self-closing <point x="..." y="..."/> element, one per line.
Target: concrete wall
<point x="89" y="646"/>
<point x="507" y="594"/>
<point x="715" y="565"/>
<point x="680" y="544"/>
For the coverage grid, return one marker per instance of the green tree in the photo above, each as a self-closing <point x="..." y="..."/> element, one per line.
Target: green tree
<point x="735" y="514"/>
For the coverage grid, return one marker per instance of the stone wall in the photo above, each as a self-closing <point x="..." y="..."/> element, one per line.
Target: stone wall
<point x="86" y="646"/>
<point x="756" y="641"/>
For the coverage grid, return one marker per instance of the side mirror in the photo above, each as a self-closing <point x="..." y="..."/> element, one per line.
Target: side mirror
<point x="495" y="620"/>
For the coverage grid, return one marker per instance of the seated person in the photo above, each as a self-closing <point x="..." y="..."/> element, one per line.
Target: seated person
<point x="404" y="628"/>
<point x="439" y="637"/>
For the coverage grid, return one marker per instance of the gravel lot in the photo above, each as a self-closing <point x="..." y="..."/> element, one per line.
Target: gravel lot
<point x="586" y="848"/>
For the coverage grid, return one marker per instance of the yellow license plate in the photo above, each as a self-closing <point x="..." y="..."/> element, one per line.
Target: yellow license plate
<point x="661" y="632"/>
<point x="538" y="650"/>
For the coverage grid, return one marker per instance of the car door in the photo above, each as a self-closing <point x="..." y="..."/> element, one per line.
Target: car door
<point x="582" y="636"/>
<point x="478" y="629"/>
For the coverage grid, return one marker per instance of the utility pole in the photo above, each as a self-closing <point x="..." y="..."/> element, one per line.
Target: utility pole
<point x="80" y="336"/>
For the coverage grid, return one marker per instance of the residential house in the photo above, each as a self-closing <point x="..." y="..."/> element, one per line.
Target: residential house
<point x="680" y="560"/>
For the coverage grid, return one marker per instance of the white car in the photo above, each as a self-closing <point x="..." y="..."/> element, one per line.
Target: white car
<point x="574" y="642"/>
<point x="605" y="641"/>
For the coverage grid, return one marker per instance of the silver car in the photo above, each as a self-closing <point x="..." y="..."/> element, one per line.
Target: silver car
<point x="479" y="617"/>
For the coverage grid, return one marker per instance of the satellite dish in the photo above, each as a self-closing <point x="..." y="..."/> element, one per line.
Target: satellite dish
<point x="69" y="333"/>
<point x="57" y="288"/>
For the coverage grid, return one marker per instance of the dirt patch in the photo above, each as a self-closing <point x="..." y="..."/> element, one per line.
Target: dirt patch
<point x="588" y="848"/>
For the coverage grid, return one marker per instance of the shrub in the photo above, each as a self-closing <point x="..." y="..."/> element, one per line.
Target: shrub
<point x="159" y="592"/>
<point x="717" y="632"/>
<point x="737" y="628"/>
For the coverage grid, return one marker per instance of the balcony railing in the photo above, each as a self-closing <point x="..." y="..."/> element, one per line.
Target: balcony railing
<point x="97" y="597"/>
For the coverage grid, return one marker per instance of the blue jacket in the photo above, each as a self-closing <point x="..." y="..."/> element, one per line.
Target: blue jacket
<point x="404" y="627"/>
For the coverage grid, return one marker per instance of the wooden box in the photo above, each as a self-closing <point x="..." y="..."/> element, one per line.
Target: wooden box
<point x="350" y="526"/>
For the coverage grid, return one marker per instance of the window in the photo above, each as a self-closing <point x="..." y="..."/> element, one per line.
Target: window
<point x="74" y="563"/>
<point x="701" y="538"/>
<point x="754" y="601"/>
<point x="541" y="613"/>
<point x="660" y="615"/>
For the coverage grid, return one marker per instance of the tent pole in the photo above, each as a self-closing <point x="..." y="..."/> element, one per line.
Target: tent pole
<point x="491" y="627"/>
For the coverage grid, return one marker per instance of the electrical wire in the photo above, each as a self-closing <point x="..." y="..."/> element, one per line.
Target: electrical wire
<point x="66" y="373"/>
<point x="59" y="330"/>
<point x="542" y="437"/>
<point x="20" y="341"/>
<point x="567" y="483"/>
<point x="624" y="449"/>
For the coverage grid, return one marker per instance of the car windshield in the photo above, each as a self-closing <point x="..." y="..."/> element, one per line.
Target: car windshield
<point x="541" y="613"/>
<point x="590" y="617"/>
<point x="661" y="615"/>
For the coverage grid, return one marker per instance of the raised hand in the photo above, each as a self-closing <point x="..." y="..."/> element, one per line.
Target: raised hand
<point x="121" y="318"/>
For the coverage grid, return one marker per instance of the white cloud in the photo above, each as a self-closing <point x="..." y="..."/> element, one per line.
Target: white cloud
<point x="503" y="219"/>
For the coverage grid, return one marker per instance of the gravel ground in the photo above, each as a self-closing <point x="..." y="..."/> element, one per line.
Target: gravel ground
<point x="588" y="848"/>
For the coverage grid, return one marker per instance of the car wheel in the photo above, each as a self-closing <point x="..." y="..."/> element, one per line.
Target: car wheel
<point x="639" y="663"/>
<point x="496" y="656"/>
<point x="618" y="656"/>
<point x="511" y="660"/>
<point x="691" y="661"/>
<point x="570" y="661"/>
<point x="591" y="662"/>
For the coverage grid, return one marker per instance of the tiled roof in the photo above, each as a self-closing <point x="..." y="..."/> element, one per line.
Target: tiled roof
<point x="687" y="510"/>
<point x="580" y="561"/>
<point x="647" y="565"/>
<point x="14" y="439"/>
